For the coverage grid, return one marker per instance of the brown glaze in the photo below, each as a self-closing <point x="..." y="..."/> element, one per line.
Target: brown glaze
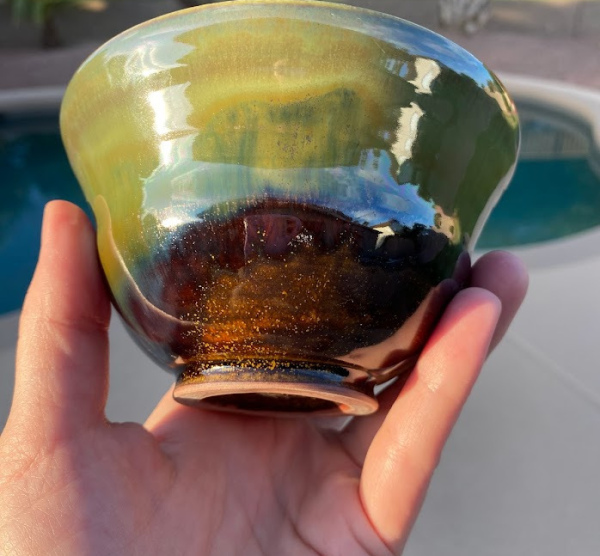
<point x="280" y="281"/>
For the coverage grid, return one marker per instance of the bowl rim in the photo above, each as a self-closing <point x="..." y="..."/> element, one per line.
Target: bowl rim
<point x="325" y="5"/>
<point x="321" y="4"/>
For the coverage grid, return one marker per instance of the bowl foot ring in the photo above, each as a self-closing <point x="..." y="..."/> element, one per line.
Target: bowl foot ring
<point x="260" y="389"/>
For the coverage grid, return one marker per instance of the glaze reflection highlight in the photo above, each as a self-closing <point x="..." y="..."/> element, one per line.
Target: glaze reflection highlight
<point x="286" y="193"/>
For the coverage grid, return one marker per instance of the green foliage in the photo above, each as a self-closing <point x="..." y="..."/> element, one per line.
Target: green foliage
<point x="38" y="10"/>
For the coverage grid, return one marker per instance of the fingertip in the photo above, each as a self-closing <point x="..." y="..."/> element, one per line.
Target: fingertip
<point x="480" y="296"/>
<point x="506" y="276"/>
<point x="59" y="213"/>
<point x="67" y="283"/>
<point x="484" y="302"/>
<point x="501" y="272"/>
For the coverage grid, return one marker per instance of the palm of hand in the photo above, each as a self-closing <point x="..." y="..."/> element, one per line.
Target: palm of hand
<point x="194" y="482"/>
<point x="215" y="484"/>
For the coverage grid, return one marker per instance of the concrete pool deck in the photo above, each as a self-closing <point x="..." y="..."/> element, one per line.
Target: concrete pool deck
<point x="520" y="473"/>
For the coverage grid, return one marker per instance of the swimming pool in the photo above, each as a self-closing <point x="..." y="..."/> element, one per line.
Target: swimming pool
<point x="555" y="192"/>
<point x="34" y="170"/>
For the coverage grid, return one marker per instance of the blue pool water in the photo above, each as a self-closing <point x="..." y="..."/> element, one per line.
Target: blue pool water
<point x="556" y="188"/>
<point x="555" y="191"/>
<point x="33" y="170"/>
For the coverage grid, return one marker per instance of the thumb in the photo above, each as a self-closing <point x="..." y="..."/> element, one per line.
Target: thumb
<point x="61" y="378"/>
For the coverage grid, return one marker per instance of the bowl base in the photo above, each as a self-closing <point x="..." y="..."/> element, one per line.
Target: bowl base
<point x="284" y="389"/>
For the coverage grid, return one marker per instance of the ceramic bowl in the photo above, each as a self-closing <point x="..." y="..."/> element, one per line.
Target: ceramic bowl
<point x="286" y="193"/>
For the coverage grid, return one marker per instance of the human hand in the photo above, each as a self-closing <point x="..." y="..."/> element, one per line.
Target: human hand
<point x="200" y="482"/>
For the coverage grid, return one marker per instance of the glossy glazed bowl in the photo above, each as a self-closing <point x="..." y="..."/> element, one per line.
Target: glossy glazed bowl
<point x="286" y="194"/>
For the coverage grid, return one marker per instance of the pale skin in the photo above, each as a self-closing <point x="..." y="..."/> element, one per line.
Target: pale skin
<point x="207" y="483"/>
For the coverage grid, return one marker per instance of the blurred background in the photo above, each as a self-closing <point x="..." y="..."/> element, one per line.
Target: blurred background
<point x="520" y="473"/>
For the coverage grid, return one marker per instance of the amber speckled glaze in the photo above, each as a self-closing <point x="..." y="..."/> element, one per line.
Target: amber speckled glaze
<point x="286" y="193"/>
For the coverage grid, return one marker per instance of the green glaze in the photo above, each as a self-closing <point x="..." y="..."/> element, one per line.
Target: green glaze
<point x="200" y="116"/>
